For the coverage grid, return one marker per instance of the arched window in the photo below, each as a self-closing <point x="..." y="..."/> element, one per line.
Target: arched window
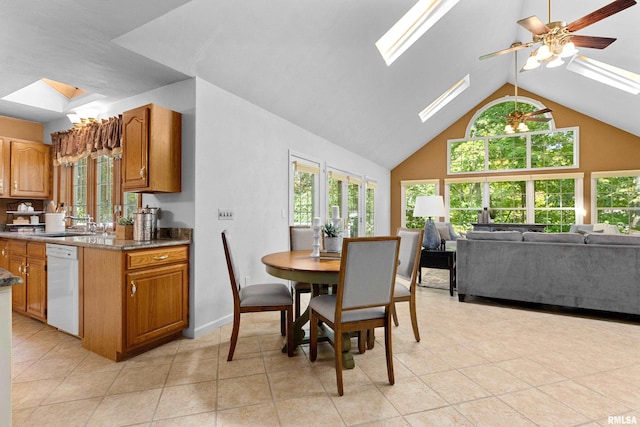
<point x="492" y="118"/>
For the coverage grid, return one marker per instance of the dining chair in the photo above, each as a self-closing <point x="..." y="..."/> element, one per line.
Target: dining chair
<point x="407" y="273"/>
<point x="254" y="298"/>
<point x="364" y="297"/>
<point x="300" y="238"/>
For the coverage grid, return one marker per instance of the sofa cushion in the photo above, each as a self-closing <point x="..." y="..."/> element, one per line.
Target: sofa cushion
<point x="606" y="228"/>
<point x="530" y="236"/>
<point x="612" y="239"/>
<point x="512" y="236"/>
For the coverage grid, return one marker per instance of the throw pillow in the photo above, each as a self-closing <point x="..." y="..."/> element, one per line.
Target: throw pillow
<point x="443" y="230"/>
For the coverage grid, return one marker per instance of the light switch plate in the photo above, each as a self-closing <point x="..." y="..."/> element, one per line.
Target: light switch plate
<point x="225" y="214"/>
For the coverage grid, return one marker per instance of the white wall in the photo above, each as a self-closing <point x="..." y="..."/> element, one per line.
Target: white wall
<point x="242" y="164"/>
<point x="235" y="156"/>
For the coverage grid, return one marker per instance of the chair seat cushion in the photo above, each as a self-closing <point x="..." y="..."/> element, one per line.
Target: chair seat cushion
<point x="400" y="290"/>
<point x="265" y="295"/>
<point x="325" y="305"/>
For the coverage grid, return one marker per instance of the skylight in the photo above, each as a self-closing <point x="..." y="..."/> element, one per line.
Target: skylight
<point x="422" y="16"/>
<point x="605" y="73"/>
<point x="445" y="98"/>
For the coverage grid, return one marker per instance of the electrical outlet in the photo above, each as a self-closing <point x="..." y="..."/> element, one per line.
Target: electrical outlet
<point x="225" y="214"/>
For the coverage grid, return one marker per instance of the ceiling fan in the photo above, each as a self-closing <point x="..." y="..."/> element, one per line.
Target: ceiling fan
<point x="516" y="120"/>
<point x="557" y="39"/>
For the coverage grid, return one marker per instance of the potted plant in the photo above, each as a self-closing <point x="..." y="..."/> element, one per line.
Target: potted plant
<point x="332" y="237"/>
<point x="124" y="229"/>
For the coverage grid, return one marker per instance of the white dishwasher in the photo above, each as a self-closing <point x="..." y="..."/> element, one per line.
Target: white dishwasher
<point x="63" y="311"/>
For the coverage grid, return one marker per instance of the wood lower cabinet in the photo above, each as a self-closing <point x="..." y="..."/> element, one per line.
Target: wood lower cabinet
<point x="28" y="260"/>
<point x="134" y="300"/>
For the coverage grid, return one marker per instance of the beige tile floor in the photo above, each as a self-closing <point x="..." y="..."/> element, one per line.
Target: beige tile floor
<point x="478" y="363"/>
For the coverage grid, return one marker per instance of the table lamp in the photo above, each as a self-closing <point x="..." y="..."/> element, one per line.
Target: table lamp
<point x="429" y="206"/>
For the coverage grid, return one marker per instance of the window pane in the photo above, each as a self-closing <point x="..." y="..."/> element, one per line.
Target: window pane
<point x="508" y="201"/>
<point x="508" y="153"/>
<point x="130" y="204"/>
<point x="304" y="190"/>
<point x="104" y="190"/>
<point x="370" y="214"/>
<point x="555" y="204"/>
<point x="335" y="195"/>
<point x="80" y="188"/>
<point x="618" y="202"/>
<point x="467" y="156"/>
<point x="411" y="192"/>
<point x="465" y="200"/>
<point x="552" y="149"/>
<point x="353" y="202"/>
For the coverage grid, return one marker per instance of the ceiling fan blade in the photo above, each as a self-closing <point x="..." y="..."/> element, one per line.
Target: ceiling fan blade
<point x="534" y="25"/>
<point x="507" y="50"/>
<point x="592" y="41"/>
<point x="600" y="14"/>
<point x="543" y="111"/>
<point x="537" y="119"/>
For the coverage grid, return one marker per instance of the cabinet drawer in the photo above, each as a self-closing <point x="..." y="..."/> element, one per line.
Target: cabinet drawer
<point x="38" y="250"/>
<point x="18" y="247"/>
<point x="158" y="256"/>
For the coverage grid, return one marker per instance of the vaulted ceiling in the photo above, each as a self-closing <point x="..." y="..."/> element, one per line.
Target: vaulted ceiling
<point x="311" y="62"/>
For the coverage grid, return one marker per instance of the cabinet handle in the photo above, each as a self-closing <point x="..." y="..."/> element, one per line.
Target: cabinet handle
<point x="4" y="255"/>
<point x="20" y="269"/>
<point x="133" y="288"/>
<point x="15" y="185"/>
<point x="142" y="172"/>
<point x="0" y="186"/>
<point x="26" y="270"/>
<point x="160" y="257"/>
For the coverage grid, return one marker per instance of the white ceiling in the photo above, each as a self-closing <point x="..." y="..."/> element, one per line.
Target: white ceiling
<point x="311" y="62"/>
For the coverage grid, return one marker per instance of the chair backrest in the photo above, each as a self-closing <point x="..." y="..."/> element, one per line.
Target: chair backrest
<point x="233" y="274"/>
<point x="367" y="272"/>
<point x="300" y="237"/>
<point x="410" y="250"/>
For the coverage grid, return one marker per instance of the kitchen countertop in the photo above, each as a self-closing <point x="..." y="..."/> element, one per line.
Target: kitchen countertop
<point x="168" y="237"/>
<point x="8" y="279"/>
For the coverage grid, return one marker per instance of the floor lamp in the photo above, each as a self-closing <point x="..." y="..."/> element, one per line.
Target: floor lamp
<point x="429" y="206"/>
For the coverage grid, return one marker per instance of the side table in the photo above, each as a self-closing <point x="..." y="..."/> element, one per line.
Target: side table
<point x="442" y="259"/>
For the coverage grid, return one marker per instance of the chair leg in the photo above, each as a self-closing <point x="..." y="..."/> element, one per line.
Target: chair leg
<point x="371" y="338"/>
<point x="414" y="318"/>
<point x="313" y="336"/>
<point x="234" y="335"/>
<point x="362" y="341"/>
<point x="337" y="346"/>
<point x="283" y="326"/>
<point x="290" y="331"/>
<point x="395" y="315"/>
<point x="389" y="352"/>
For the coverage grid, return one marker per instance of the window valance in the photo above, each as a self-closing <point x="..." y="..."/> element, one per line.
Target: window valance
<point x="94" y="139"/>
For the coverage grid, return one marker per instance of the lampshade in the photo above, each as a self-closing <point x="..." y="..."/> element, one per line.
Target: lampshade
<point x="429" y="206"/>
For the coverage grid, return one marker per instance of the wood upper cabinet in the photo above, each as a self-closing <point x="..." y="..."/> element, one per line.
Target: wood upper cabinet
<point x="5" y="167"/>
<point x="30" y="174"/>
<point x="152" y="150"/>
<point x="28" y="260"/>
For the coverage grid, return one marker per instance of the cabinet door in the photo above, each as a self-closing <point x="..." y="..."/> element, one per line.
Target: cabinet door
<point x="5" y="167"/>
<point x="30" y="170"/>
<point x="18" y="292"/>
<point x="4" y="254"/>
<point x="36" y="274"/>
<point x="157" y="303"/>
<point x="135" y="148"/>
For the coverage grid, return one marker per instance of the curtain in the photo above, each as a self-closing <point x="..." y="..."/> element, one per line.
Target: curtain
<point x="94" y="139"/>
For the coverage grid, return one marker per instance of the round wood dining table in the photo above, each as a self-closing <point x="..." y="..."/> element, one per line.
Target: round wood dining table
<point x="299" y="266"/>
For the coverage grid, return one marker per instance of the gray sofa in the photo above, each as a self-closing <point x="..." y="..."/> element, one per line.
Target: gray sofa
<point x="592" y="271"/>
